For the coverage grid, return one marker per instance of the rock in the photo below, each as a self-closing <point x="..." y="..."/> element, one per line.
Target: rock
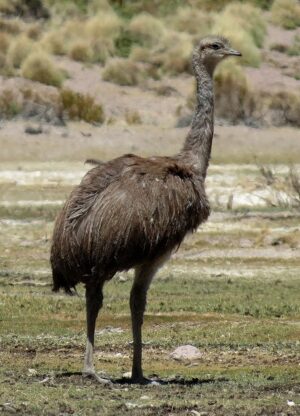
<point x="186" y="353"/>
<point x="33" y="130"/>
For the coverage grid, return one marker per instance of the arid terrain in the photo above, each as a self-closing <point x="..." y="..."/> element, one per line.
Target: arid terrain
<point x="232" y="288"/>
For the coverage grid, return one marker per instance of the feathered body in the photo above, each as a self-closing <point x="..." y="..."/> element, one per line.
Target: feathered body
<point x="131" y="212"/>
<point x="125" y="212"/>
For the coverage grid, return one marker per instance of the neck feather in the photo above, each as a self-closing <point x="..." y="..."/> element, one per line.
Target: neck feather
<point x="197" y="146"/>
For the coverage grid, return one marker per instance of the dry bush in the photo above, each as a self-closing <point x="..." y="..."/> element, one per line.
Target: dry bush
<point x="123" y="72"/>
<point x="284" y="107"/>
<point x="19" y="50"/>
<point x="96" y="6"/>
<point x="4" y="42"/>
<point x="9" y="104"/>
<point x="286" y="13"/>
<point x="191" y="20"/>
<point x="81" y="107"/>
<point x="39" y="66"/>
<point x="294" y="49"/>
<point x="106" y="25"/>
<point x="240" y="39"/>
<point x="146" y="28"/>
<point x="235" y="100"/>
<point x="11" y="26"/>
<point x="80" y="51"/>
<point x="245" y="28"/>
<point x="53" y="43"/>
<point x="250" y="19"/>
<point x="34" y="31"/>
<point x="175" y="52"/>
<point x="133" y="117"/>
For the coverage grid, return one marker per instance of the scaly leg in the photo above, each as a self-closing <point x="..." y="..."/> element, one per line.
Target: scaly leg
<point x="138" y="298"/>
<point x="94" y="299"/>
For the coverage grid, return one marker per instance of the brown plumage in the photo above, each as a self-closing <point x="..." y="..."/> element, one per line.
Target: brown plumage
<point x="133" y="212"/>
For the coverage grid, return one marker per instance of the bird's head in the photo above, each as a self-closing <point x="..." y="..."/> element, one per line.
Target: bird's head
<point x="211" y="50"/>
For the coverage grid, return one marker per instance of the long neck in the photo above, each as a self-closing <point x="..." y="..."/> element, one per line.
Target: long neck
<point x="197" y="146"/>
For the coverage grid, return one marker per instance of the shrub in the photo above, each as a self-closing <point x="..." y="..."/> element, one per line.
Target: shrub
<point x="53" y="43"/>
<point x="234" y="99"/>
<point x="191" y="20"/>
<point x="11" y="26"/>
<point x="18" y="50"/>
<point x="80" y="51"/>
<point x="173" y="53"/>
<point x="38" y="66"/>
<point x="240" y="39"/>
<point x="294" y="49"/>
<point x="104" y="26"/>
<point x="133" y="117"/>
<point x="9" y="105"/>
<point x="286" y="13"/>
<point x="123" y="72"/>
<point x="146" y="28"/>
<point x="81" y="107"/>
<point x="4" y="42"/>
<point x="285" y="108"/>
<point x="250" y="19"/>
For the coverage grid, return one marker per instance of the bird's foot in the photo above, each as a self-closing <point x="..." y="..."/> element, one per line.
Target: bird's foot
<point x="92" y="374"/>
<point x="144" y="381"/>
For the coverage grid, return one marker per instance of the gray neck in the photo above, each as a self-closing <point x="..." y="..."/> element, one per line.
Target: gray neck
<point x="197" y="146"/>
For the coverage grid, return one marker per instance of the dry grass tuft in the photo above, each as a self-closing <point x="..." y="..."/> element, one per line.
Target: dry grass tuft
<point x="234" y="99"/>
<point x="9" y="104"/>
<point x="250" y="19"/>
<point x="38" y="66"/>
<point x="133" y="117"/>
<point x="123" y="72"/>
<point x="81" y="107"/>
<point x="294" y="49"/>
<point x="53" y="43"/>
<point x="245" y="27"/>
<point x="4" y="42"/>
<point x="285" y="108"/>
<point x="286" y="13"/>
<point x="19" y="50"/>
<point x="11" y="26"/>
<point x="191" y="20"/>
<point x="80" y="51"/>
<point x="147" y="29"/>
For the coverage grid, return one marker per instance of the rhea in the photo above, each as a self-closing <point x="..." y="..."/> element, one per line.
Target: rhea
<point x="132" y="212"/>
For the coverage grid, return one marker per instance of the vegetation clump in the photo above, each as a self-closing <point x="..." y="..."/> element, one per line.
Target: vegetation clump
<point x="81" y="107"/>
<point x="245" y="27"/>
<point x="123" y="72"/>
<point x="19" y="50"/>
<point x="38" y="66"/>
<point x="286" y="13"/>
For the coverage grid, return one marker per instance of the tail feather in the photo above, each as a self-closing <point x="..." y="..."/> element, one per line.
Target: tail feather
<point x="60" y="282"/>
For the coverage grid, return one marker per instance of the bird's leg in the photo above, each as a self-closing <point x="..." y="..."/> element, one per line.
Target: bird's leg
<point x="138" y="297"/>
<point x="94" y="299"/>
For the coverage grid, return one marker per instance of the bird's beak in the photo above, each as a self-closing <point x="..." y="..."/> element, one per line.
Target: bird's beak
<point x="232" y="52"/>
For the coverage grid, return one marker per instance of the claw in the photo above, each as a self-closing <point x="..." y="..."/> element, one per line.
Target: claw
<point x="95" y="376"/>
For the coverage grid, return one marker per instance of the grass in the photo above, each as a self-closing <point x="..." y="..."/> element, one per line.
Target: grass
<point x="191" y="20"/>
<point x="234" y="99"/>
<point x="19" y="50"/>
<point x="245" y="28"/>
<point x="243" y="315"/>
<point x="39" y="67"/>
<point x="123" y="72"/>
<point x="286" y="13"/>
<point x="81" y="107"/>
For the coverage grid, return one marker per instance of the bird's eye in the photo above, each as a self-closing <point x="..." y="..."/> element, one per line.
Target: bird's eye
<point x="215" y="46"/>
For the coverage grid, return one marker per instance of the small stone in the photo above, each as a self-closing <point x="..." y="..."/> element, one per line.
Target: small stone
<point x="145" y="398"/>
<point x="32" y="372"/>
<point x="186" y="353"/>
<point x="33" y="130"/>
<point x="127" y="375"/>
<point x="290" y="403"/>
